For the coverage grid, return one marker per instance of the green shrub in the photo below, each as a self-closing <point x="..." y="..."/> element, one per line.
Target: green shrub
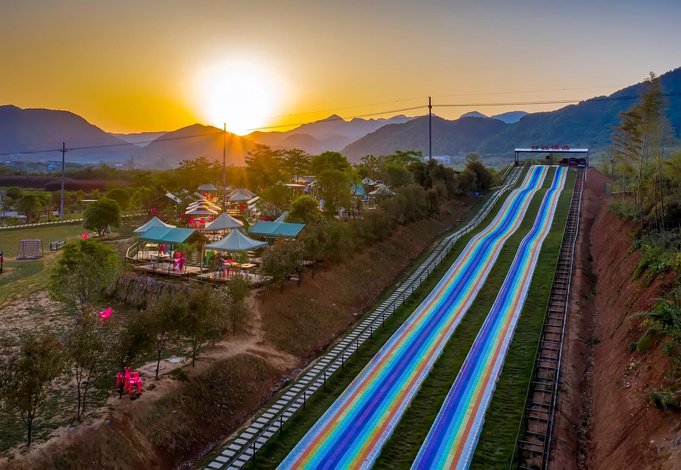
<point x="647" y="340"/>
<point x="623" y="208"/>
<point x="664" y="399"/>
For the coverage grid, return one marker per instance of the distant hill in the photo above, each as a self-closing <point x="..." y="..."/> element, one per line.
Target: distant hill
<point x="331" y="133"/>
<point x="190" y="142"/>
<point x="31" y="130"/>
<point x="456" y="137"/>
<point x="474" y="114"/>
<point x="141" y="139"/>
<point x="589" y="123"/>
<point x="510" y="117"/>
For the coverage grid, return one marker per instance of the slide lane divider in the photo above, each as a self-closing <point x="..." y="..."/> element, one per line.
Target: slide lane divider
<point x="351" y="433"/>
<point x="457" y="427"/>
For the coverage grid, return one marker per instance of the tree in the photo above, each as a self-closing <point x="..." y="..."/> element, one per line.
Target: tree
<point x="280" y="260"/>
<point x="334" y="188"/>
<point x="263" y="167"/>
<point x="198" y="321"/>
<point x="82" y="273"/>
<point x="396" y="175"/>
<point x="121" y="196"/>
<point x="278" y="195"/>
<point x="88" y="346"/>
<point x="483" y="176"/>
<point x="305" y="210"/>
<point x="30" y="204"/>
<point x="26" y="378"/>
<point x="296" y="162"/>
<point x="164" y="323"/>
<point x="237" y="289"/>
<point x="102" y="214"/>
<point x="329" y="161"/>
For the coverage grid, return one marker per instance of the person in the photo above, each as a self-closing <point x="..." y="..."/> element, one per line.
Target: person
<point x="220" y="266"/>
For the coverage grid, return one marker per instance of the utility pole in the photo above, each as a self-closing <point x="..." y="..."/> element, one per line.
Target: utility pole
<point x="63" y="163"/>
<point x="224" y="161"/>
<point x="430" y="129"/>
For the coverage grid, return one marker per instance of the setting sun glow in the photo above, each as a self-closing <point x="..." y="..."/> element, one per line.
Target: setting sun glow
<point x="242" y="95"/>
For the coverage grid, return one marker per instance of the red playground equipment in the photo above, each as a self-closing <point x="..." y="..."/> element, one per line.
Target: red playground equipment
<point x="127" y="380"/>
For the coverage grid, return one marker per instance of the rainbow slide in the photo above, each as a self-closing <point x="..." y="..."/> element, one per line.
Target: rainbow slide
<point x="454" y="435"/>
<point x="352" y="431"/>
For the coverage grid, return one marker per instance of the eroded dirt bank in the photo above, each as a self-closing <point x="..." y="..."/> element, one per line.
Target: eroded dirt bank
<point x="604" y="418"/>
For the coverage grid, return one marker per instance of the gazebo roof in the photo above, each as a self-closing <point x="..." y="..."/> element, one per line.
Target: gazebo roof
<point x="224" y="222"/>
<point x="201" y="210"/>
<point x="171" y="235"/>
<point x="382" y="190"/>
<point x="153" y="222"/>
<point x="276" y="229"/>
<point x="235" y="241"/>
<point x="207" y="187"/>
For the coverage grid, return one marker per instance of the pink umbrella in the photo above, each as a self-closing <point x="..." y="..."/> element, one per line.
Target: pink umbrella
<point x="106" y="313"/>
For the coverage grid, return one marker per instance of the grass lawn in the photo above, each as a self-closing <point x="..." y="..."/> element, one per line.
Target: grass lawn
<point x="401" y="449"/>
<point x="21" y="277"/>
<point x="282" y="443"/>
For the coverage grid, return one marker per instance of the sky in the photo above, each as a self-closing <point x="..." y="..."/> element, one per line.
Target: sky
<point x="141" y="65"/>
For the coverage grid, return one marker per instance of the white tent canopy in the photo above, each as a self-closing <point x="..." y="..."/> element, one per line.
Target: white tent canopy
<point x="235" y="241"/>
<point x="224" y="222"/>
<point x="201" y="210"/>
<point x="153" y="222"/>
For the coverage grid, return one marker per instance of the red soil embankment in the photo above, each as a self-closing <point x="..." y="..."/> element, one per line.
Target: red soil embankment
<point x="604" y="418"/>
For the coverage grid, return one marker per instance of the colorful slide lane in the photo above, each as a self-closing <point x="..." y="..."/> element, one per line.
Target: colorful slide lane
<point x="352" y="431"/>
<point x="454" y="435"/>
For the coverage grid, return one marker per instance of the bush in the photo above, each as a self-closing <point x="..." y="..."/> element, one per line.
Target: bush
<point x="664" y="399"/>
<point x="623" y="208"/>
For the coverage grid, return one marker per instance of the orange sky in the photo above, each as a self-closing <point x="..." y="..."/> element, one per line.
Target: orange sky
<point x="131" y="66"/>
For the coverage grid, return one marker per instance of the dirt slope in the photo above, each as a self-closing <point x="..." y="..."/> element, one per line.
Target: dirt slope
<point x="604" y="417"/>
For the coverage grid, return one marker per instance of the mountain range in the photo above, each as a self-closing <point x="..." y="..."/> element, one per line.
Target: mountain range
<point x="587" y="124"/>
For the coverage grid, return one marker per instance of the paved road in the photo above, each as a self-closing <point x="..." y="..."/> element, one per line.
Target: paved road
<point x="454" y="435"/>
<point x="352" y="431"/>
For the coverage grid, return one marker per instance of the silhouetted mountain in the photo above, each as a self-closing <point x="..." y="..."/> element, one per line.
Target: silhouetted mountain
<point x="190" y="142"/>
<point x="449" y="137"/>
<point x="510" y="117"/>
<point x="587" y="124"/>
<point x="474" y="114"/>
<point x="33" y="130"/>
<point x="331" y="133"/>
<point x="141" y="139"/>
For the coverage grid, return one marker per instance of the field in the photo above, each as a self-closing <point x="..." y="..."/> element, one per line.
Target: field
<point x="21" y="277"/>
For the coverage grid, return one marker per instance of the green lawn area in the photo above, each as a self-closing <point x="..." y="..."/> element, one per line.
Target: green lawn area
<point x="282" y="443"/>
<point x="21" y="277"/>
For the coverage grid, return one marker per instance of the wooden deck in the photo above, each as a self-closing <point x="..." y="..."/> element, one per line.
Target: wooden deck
<point x="166" y="269"/>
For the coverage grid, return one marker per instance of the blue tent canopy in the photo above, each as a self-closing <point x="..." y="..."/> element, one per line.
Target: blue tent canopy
<point x="172" y="235"/>
<point x="276" y="229"/>
<point x="153" y="222"/>
<point x="235" y="241"/>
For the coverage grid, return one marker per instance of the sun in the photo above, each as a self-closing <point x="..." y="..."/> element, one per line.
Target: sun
<point x="241" y="94"/>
